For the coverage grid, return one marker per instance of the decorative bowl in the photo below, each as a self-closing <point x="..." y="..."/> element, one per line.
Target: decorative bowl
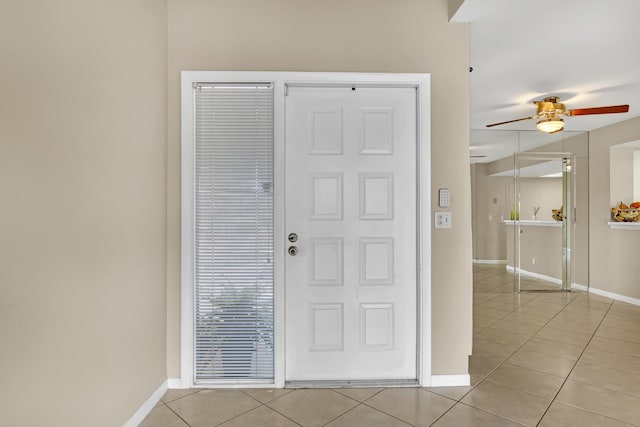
<point x="625" y="215"/>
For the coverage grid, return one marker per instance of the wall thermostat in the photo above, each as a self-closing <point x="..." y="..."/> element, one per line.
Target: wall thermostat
<point x="444" y="198"/>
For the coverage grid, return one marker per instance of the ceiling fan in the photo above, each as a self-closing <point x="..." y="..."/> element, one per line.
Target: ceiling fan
<point x="550" y="111"/>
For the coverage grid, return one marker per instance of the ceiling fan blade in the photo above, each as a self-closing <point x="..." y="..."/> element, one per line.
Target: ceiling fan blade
<point x="509" y="121"/>
<point x="598" y="110"/>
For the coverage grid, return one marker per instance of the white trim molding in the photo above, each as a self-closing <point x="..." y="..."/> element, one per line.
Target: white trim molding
<point x="607" y="294"/>
<point x="523" y="222"/>
<point x="147" y="406"/>
<point x="490" y="261"/>
<point x="175" y="383"/>
<point x="450" y="380"/>
<point x="555" y="280"/>
<point x="546" y="278"/>
<point x="282" y="80"/>
<point x="624" y="225"/>
<point x="579" y="287"/>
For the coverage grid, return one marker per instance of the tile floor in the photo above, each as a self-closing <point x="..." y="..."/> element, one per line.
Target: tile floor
<point x="539" y="359"/>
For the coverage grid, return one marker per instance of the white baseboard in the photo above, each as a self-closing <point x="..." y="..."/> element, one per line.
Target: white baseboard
<point x="147" y="406"/>
<point x="591" y="290"/>
<point x="555" y="280"/>
<point x="607" y="294"/>
<point x="175" y="383"/>
<point x="490" y="261"/>
<point x="582" y="288"/>
<point x="450" y="380"/>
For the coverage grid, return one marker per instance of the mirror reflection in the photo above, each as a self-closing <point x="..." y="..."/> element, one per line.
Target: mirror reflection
<point x="530" y="190"/>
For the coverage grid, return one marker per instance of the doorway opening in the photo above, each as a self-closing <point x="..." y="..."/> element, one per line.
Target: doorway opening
<point x="331" y="173"/>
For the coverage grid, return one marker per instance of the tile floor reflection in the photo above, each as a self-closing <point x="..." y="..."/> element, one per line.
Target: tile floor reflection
<point x="539" y="358"/>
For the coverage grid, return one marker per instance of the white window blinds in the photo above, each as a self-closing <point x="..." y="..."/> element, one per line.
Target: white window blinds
<point x="234" y="232"/>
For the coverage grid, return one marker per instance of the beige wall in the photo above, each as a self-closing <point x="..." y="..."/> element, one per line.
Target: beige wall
<point x="545" y="193"/>
<point x="82" y="217"/>
<point x="493" y="202"/>
<point x="491" y="197"/>
<point x="334" y="35"/>
<point x="621" y="175"/>
<point x="542" y="244"/>
<point x="613" y="255"/>
<point x="454" y="5"/>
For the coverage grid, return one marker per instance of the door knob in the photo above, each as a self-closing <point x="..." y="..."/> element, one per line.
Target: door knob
<point x="292" y="237"/>
<point x="293" y="250"/>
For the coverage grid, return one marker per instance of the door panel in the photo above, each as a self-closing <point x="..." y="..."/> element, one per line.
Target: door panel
<point x="351" y="199"/>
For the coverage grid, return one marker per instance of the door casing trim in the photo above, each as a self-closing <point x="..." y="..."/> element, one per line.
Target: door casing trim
<point x="282" y="80"/>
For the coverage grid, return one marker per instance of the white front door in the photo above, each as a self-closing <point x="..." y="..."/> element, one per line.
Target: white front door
<point x="351" y="288"/>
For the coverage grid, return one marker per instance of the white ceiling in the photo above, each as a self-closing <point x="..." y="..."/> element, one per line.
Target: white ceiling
<point x="584" y="51"/>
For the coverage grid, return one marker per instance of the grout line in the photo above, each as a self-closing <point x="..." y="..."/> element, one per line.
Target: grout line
<point x="518" y="348"/>
<point x="508" y="356"/>
<point x="178" y="415"/>
<point x="244" y="390"/>
<point x="536" y="297"/>
<point x="386" y="413"/>
<point x="253" y="409"/>
<point x="574" y="365"/>
<point x="565" y="305"/>
<point x="515" y="310"/>
<point x="525" y="343"/>
<point x="265" y="405"/>
<point x="618" y="421"/>
<point x="459" y="401"/>
<point x="620" y="339"/>
<point x="345" y="412"/>
<point x="434" y="390"/>
<point x="383" y="412"/>
<point x="349" y="410"/>
<point x="337" y="390"/>
<point x="364" y="404"/>
<point x="443" y="414"/>
<point x="481" y="410"/>
<point x="617" y="352"/>
<point x="181" y="397"/>
<point x="278" y="412"/>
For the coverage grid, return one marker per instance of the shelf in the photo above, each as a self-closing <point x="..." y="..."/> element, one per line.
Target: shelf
<point x="529" y="223"/>
<point x="624" y="225"/>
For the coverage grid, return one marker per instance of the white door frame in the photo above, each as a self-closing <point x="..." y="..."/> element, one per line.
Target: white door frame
<point x="281" y="81"/>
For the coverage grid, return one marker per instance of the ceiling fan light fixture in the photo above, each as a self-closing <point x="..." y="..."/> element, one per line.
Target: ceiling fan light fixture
<point x="550" y="124"/>
<point x="550" y="110"/>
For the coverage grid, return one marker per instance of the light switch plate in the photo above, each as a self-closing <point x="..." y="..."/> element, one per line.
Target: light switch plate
<point x="443" y="220"/>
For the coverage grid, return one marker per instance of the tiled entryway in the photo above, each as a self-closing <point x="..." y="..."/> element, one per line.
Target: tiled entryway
<point x="540" y="358"/>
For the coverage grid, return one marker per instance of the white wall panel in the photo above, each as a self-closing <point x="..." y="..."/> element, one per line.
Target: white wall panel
<point x="326" y="196"/>
<point x="376" y="196"/>
<point x="376" y="261"/>
<point x="326" y="264"/>
<point x="325" y="131"/>
<point x="376" y="326"/>
<point x="326" y="326"/>
<point x="376" y="130"/>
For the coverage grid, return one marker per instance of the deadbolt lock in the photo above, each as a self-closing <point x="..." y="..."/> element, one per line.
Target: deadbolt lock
<point x="293" y="237"/>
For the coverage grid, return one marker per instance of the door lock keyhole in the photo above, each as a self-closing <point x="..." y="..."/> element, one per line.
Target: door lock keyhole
<point x="292" y="237"/>
<point x="293" y="250"/>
